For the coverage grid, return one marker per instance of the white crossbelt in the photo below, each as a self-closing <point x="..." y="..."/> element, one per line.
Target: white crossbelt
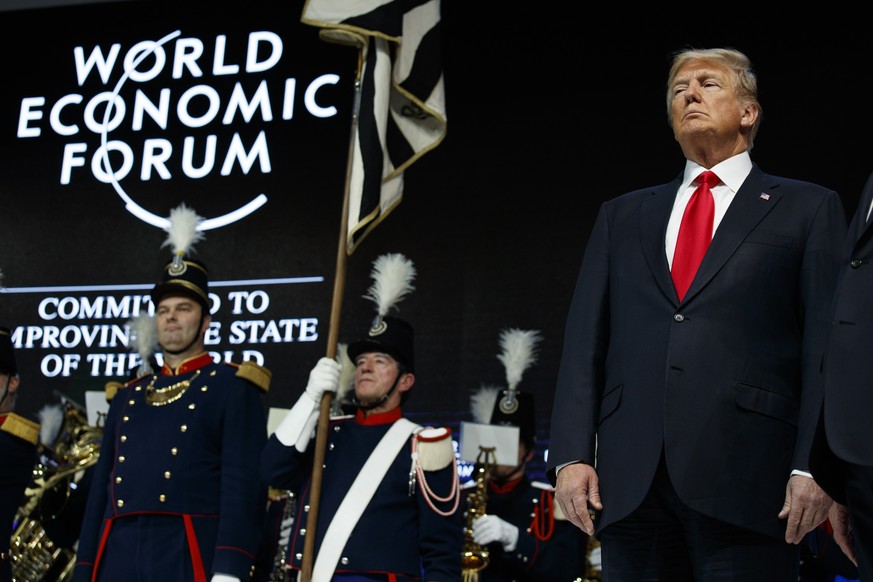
<point x="357" y="498"/>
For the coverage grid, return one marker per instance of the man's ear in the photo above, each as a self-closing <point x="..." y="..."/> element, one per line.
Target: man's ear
<point x="750" y="115"/>
<point x="207" y="320"/>
<point x="14" y="381"/>
<point x="406" y="382"/>
<point x="530" y="454"/>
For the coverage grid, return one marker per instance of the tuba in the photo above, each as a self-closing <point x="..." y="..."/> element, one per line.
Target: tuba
<point x="35" y="556"/>
<point x="474" y="557"/>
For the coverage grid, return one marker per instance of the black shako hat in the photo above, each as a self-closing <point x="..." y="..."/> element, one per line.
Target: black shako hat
<point x="390" y="335"/>
<point x="187" y="277"/>
<point x="7" y="353"/>
<point x="518" y="412"/>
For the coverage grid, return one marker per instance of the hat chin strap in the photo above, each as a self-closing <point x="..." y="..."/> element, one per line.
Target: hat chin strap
<point x="6" y="389"/>
<point x="379" y="401"/>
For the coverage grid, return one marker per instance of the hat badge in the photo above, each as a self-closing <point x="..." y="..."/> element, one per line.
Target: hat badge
<point x="177" y="267"/>
<point x="379" y="327"/>
<point x="509" y="404"/>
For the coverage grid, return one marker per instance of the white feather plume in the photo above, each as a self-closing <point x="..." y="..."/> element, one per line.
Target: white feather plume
<point x="51" y="420"/>
<point x="183" y="233"/>
<point x="392" y="276"/>
<point x="518" y="353"/>
<point x="482" y="403"/>
<point x="347" y="372"/>
<point x="143" y="334"/>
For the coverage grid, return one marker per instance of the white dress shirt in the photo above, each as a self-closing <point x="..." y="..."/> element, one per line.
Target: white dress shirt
<point x="732" y="172"/>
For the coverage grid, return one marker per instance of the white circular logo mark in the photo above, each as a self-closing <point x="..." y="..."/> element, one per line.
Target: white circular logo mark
<point x="133" y="207"/>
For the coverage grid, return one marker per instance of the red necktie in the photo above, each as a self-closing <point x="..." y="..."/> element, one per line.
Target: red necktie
<point x="695" y="233"/>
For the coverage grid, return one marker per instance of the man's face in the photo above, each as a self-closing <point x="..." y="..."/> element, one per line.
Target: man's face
<point x="375" y="372"/>
<point x="705" y="103"/>
<point x="8" y="388"/>
<point x="504" y="472"/>
<point x="178" y="323"/>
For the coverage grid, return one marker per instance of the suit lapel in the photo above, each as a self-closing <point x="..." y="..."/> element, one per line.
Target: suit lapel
<point x="756" y="198"/>
<point x="654" y="214"/>
<point x="860" y="226"/>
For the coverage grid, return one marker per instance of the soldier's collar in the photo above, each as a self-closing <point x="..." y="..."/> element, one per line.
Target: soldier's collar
<point x="379" y="417"/>
<point x="188" y="365"/>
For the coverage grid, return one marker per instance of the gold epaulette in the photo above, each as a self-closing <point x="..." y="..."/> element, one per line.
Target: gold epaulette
<point x="435" y="449"/>
<point x="256" y="374"/>
<point x="111" y="389"/>
<point x="21" y="427"/>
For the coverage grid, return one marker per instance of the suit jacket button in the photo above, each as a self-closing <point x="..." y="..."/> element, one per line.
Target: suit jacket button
<point x="856" y="263"/>
<point x="679" y="317"/>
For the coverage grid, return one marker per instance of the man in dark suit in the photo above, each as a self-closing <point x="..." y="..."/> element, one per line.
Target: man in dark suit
<point x="684" y="417"/>
<point x="843" y="456"/>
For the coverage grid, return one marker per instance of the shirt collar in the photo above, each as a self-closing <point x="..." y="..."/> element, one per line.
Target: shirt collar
<point x="732" y="171"/>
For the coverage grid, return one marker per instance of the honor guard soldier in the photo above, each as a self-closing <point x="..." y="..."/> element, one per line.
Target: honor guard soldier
<point x="176" y="494"/>
<point x="19" y="438"/>
<point x="527" y="537"/>
<point x="390" y="489"/>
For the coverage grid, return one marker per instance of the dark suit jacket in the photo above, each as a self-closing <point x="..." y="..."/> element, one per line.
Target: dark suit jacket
<point x="724" y="382"/>
<point x="848" y="366"/>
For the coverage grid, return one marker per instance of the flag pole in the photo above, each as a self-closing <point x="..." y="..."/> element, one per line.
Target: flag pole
<point x="332" y="337"/>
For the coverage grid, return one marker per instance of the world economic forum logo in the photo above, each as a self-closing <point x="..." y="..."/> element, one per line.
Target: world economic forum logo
<point x="207" y="93"/>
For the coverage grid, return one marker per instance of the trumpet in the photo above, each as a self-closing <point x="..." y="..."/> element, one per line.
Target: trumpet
<point x="474" y="557"/>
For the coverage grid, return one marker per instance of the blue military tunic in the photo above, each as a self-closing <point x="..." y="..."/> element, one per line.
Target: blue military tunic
<point x="18" y="457"/>
<point x="549" y="547"/>
<point x="403" y="533"/>
<point x="176" y="494"/>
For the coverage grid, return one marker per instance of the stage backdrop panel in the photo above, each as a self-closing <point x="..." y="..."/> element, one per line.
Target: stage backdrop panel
<point x="241" y="114"/>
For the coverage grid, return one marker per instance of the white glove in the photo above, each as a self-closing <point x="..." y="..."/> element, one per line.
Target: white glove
<point x="224" y="578"/>
<point x="490" y="528"/>
<point x="323" y="377"/>
<point x="297" y="426"/>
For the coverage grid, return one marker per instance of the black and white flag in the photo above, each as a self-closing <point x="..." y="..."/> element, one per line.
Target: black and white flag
<point x="402" y="112"/>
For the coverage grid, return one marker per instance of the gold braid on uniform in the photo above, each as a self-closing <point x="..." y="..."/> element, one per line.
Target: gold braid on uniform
<point x="167" y="394"/>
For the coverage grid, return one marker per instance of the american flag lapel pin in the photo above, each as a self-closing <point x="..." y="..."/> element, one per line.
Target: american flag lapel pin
<point x="765" y="196"/>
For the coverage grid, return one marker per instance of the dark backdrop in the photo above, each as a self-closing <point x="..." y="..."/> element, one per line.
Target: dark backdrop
<point x="549" y="115"/>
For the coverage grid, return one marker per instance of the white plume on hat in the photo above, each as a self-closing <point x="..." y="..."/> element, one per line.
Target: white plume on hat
<point x="182" y="232"/>
<point x="518" y="353"/>
<point x="51" y="420"/>
<point x="143" y="332"/>
<point x="346" y="379"/>
<point x="392" y="276"/>
<point x="482" y="403"/>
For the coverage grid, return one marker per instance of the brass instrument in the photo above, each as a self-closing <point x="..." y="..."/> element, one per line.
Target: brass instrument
<point x="474" y="557"/>
<point x="35" y="557"/>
